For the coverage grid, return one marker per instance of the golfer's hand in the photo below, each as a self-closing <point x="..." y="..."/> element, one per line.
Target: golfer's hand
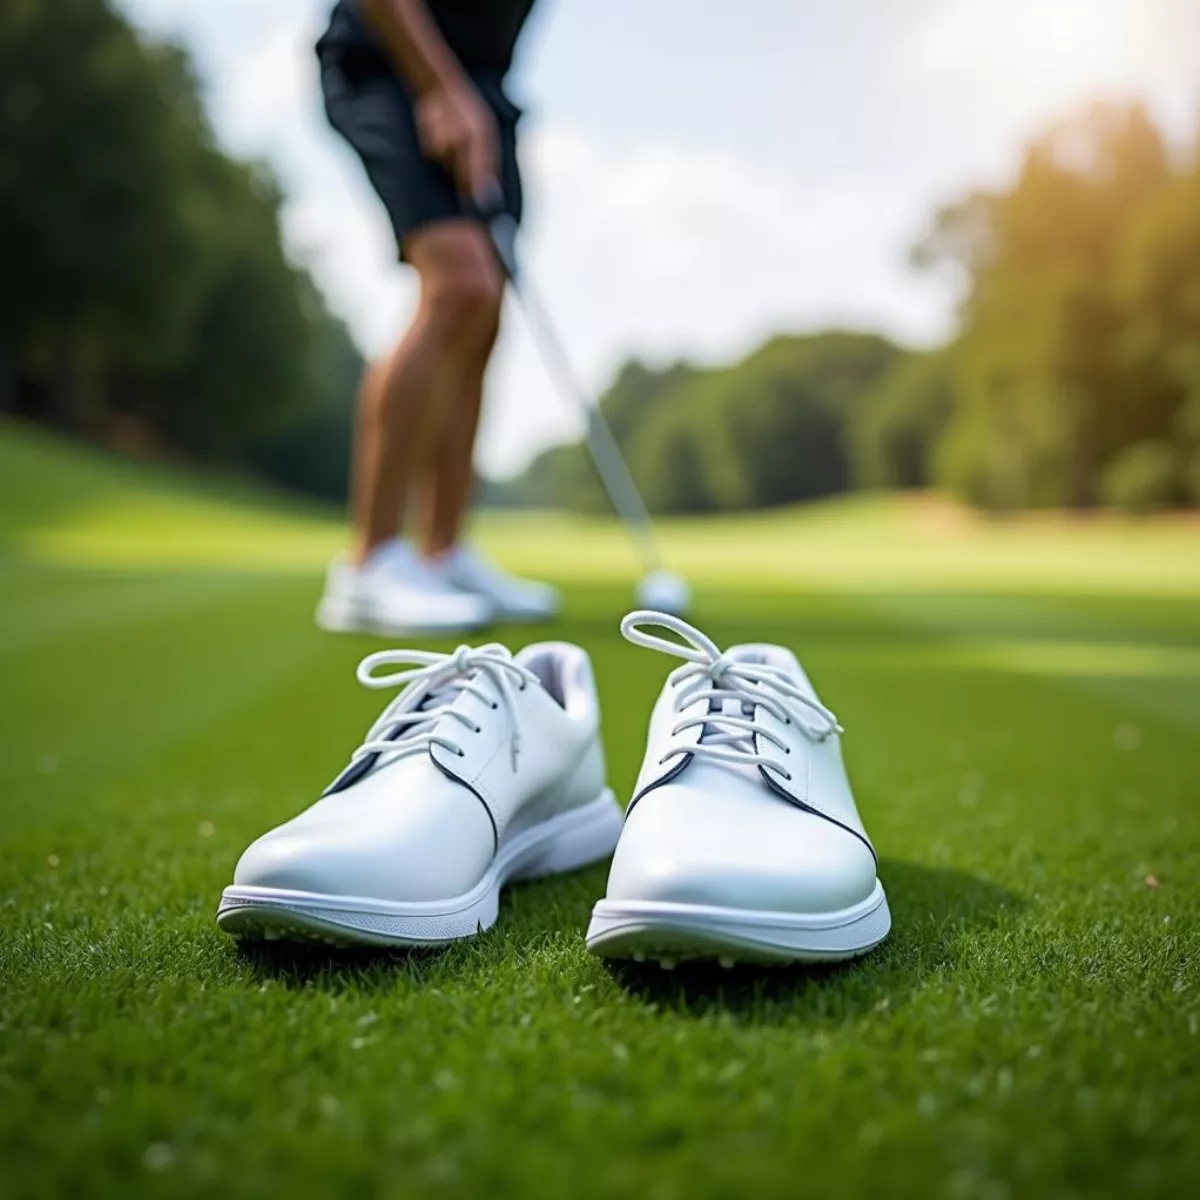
<point x="458" y="130"/>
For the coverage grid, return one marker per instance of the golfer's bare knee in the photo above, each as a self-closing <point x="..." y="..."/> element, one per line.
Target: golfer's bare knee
<point x="461" y="284"/>
<point x="463" y="306"/>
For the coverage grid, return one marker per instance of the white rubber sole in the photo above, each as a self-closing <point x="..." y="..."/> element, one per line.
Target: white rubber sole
<point x="344" y="616"/>
<point x="563" y="843"/>
<point x="641" y="929"/>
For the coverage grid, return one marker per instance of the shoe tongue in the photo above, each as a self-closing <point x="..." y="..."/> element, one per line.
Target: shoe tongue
<point x="757" y="655"/>
<point x="451" y="689"/>
<point x="767" y="655"/>
<point x="730" y="707"/>
<point x="496" y="649"/>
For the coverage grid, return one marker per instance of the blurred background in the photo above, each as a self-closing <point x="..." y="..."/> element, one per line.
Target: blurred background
<point x="811" y="249"/>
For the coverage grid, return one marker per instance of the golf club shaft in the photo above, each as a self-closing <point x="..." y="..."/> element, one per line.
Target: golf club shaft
<point x="602" y="445"/>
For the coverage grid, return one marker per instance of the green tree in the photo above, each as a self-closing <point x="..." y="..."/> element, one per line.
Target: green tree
<point x="901" y="422"/>
<point x="1053" y="359"/>
<point x="95" y="246"/>
<point x="144" y="274"/>
<point x="772" y="429"/>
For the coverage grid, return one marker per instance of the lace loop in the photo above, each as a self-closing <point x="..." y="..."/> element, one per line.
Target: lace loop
<point x="431" y="685"/>
<point x="714" y="677"/>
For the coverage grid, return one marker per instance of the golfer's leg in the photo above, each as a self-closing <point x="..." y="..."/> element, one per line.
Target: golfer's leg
<point x="377" y="464"/>
<point x="408" y="400"/>
<point x="445" y="491"/>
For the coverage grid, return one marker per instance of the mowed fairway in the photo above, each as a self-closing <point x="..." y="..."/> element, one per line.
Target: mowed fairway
<point x="1022" y="706"/>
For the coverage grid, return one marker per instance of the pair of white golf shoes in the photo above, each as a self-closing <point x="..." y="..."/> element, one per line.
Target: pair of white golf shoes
<point x="741" y="840"/>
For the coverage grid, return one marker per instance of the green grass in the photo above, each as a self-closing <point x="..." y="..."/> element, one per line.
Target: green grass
<point x="1025" y="744"/>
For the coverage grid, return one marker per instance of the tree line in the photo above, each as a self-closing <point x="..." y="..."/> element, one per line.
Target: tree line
<point x="1073" y="378"/>
<point x="145" y="298"/>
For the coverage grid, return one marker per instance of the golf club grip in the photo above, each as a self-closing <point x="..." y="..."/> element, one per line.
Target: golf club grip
<point x="489" y="202"/>
<point x="491" y="209"/>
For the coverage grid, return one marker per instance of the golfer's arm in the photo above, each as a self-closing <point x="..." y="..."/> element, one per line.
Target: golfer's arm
<point x="414" y="43"/>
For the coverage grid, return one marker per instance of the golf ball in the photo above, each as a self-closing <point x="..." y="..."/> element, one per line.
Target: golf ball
<point x="664" y="591"/>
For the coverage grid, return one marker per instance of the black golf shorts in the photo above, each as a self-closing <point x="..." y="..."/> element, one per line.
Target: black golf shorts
<point x="369" y="106"/>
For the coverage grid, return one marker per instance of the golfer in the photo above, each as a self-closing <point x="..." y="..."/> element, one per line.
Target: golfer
<point x="417" y="89"/>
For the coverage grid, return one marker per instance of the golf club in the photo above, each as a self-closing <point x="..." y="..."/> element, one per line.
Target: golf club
<point x="659" y="588"/>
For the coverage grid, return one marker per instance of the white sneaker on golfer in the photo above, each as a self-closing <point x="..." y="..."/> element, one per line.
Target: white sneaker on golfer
<point x="742" y="841"/>
<point x="486" y="768"/>
<point x="512" y="599"/>
<point x="395" y="592"/>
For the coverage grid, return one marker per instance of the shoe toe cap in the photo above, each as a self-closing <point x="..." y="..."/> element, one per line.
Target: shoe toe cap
<point x="295" y="863"/>
<point x="801" y="863"/>
<point x="414" y="852"/>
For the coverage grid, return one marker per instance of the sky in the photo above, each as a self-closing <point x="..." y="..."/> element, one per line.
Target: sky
<point x="700" y="174"/>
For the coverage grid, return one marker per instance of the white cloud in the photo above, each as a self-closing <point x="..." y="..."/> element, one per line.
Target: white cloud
<point x="1035" y="59"/>
<point x="691" y="250"/>
<point x="274" y="79"/>
<point x="1072" y="39"/>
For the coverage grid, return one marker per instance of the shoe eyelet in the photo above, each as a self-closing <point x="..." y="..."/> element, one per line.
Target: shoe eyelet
<point x="787" y="749"/>
<point x="463" y="754"/>
<point x="787" y="776"/>
<point x="494" y="706"/>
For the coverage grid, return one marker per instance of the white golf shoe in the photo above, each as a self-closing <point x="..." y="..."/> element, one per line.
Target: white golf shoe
<point x="742" y="841"/>
<point x="485" y="769"/>
<point x="511" y="599"/>
<point x="396" y="593"/>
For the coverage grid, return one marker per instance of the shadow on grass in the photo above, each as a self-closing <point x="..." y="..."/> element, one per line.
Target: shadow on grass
<point x="533" y="913"/>
<point x="314" y="965"/>
<point x="935" y="912"/>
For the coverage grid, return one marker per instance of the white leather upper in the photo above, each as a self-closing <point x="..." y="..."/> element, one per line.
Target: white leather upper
<point x="717" y="833"/>
<point x="704" y="839"/>
<point x="425" y="826"/>
<point x="404" y="832"/>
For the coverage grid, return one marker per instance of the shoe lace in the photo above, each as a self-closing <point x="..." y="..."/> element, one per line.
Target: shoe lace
<point x="712" y="676"/>
<point x="409" y="724"/>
